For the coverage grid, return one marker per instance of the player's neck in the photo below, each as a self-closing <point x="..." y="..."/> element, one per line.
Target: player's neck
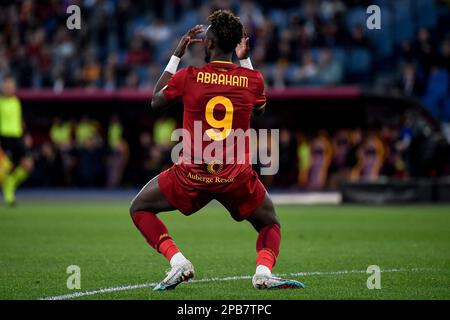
<point x="221" y="57"/>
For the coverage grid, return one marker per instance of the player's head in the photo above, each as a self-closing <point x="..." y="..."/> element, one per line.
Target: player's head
<point x="9" y="86"/>
<point x="223" y="34"/>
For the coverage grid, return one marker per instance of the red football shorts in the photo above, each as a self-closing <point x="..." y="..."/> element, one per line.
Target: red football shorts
<point x="240" y="197"/>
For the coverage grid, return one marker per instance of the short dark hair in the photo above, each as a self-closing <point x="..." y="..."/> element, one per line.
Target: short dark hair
<point x="227" y="28"/>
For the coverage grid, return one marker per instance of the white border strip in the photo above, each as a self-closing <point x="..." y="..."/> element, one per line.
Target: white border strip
<point x="232" y="278"/>
<point x="307" y="198"/>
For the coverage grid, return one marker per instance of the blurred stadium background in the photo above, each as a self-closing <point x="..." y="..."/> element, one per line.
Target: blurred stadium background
<point x="365" y="112"/>
<point x="364" y="116"/>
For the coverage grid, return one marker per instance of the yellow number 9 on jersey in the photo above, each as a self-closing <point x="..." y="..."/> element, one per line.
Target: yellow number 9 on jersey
<point x="225" y="124"/>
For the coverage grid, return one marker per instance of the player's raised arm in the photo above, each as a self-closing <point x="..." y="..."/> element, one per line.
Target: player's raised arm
<point x="243" y="54"/>
<point x="170" y="76"/>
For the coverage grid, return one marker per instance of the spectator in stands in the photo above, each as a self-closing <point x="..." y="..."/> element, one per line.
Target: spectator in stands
<point x="48" y="166"/>
<point x="329" y="70"/>
<point x="284" y="48"/>
<point x="371" y="156"/>
<point x="400" y="147"/>
<point x="321" y="156"/>
<point x="358" y="39"/>
<point x="112" y="72"/>
<point x="424" y="49"/>
<point x="157" y="32"/>
<point x="355" y="139"/>
<point x="301" y="36"/>
<point x="89" y="152"/>
<point x="406" y="52"/>
<point x="109" y="80"/>
<point x="341" y="146"/>
<point x="137" y="55"/>
<point x="87" y="133"/>
<point x="330" y="35"/>
<point x="150" y="158"/>
<point x="90" y="72"/>
<point x="23" y="67"/>
<point x="304" y="159"/>
<point x="132" y="80"/>
<point x="287" y="172"/>
<point x="278" y="79"/>
<point x="50" y="55"/>
<point x="43" y="76"/>
<point x="270" y="149"/>
<point x="61" y="133"/>
<point x="445" y="62"/>
<point x="330" y="9"/>
<point x="264" y="36"/>
<point x="4" y="67"/>
<point x="36" y="46"/>
<point x="118" y="153"/>
<point x="403" y="144"/>
<point x="64" y="46"/>
<point x="162" y="131"/>
<point x="307" y="73"/>
<point x="437" y="90"/>
<point x="251" y="15"/>
<point x="410" y="84"/>
<point x="123" y="14"/>
<point x="154" y="71"/>
<point x="445" y="54"/>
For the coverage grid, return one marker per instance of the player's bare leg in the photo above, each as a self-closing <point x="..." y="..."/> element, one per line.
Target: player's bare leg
<point x="144" y="207"/>
<point x="266" y="223"/>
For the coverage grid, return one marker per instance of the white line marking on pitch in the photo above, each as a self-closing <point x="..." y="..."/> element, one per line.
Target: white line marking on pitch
<point x="152" y="284"/>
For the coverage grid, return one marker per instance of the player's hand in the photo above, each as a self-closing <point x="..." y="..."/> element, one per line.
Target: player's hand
<point x="187" y="39"/>
<point x="243" y="48"/>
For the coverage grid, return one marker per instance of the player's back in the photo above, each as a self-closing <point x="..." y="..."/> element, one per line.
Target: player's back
<point x="218" y="100"/>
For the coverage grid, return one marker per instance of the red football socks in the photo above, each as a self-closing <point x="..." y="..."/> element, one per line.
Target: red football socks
<point x="268" y="246"/>
<point x="168" y="248"/>
<point x="157" y="236"/>
<point x="155" y="232"/>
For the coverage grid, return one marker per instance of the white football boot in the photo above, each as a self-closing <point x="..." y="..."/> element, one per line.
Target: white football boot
<point x="267" y="281"/>
<point x="176" y="275"/>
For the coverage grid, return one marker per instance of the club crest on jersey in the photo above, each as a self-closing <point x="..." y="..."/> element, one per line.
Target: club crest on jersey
<point x="214" y="167"/>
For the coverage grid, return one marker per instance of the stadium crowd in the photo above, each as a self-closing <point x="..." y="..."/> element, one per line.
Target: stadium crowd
<point x="83" y="153"/>
<point x="127" y="44"/>
<point x="123" y="44"/>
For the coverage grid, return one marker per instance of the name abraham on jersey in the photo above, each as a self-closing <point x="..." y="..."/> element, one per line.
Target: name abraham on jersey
<point x="223" y="79"/>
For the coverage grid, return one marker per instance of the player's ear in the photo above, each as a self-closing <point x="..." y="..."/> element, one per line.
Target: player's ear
<point x="210" y="44"/>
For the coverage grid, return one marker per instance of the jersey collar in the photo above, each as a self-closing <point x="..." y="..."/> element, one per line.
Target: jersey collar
<point x="221" y="61"/>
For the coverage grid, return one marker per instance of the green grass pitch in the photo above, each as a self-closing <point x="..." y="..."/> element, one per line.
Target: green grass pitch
<point x="39" y="240"/>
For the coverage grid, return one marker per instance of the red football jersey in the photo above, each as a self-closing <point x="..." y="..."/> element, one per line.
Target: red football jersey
<point x="218" y="100"/>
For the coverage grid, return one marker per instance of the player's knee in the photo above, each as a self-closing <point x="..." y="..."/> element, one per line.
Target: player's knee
<point x="264" y="218"/>
<point x="273" y="219"/>
<point x="269" y="215"/>
<point x="134" y="207"/>
<point x="138" y="205"/>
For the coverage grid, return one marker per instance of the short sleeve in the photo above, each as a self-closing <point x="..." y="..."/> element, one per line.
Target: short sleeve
<point x="260" y="94"/>
<point x="175" y="87"/>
